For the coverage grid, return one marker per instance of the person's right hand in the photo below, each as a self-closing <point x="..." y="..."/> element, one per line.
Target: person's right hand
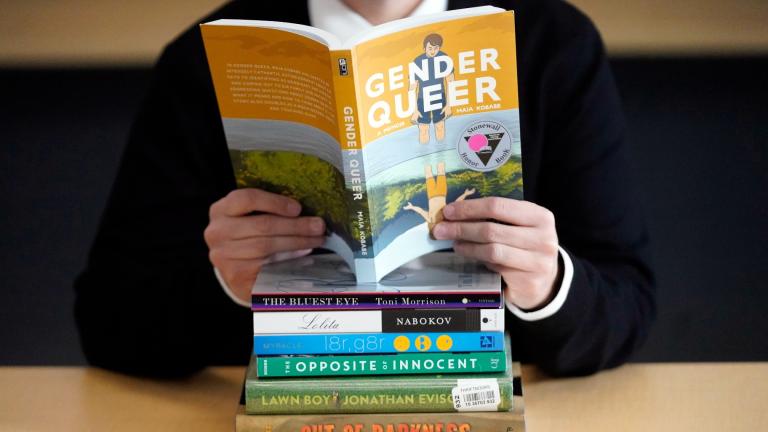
<point x="241" y="242"/>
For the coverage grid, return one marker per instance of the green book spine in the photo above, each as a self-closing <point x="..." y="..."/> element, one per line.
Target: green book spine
<point x="380" y="364"/>
<point x="383" y="394"/>
<point x="376" y="395"/>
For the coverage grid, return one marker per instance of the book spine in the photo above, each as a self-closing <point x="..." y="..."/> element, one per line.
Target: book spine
<point x="379" y="321"/>
<point x="382" y="364"/>
<point x="377" y="343"/>
<point x="347" y="118"/>
<point x="381" y="396"/>
<point x="375" y="301"/>
<point x="423" y="422"/>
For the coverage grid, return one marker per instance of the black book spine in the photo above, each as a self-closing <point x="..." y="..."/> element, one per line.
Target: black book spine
<point x="421" y="320"/>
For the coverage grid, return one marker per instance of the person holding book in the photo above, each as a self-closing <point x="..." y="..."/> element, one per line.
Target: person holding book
<point x="574" y="255"/>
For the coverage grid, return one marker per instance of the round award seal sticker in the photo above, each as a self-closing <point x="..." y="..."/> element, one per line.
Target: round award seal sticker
<point x="484" y="145"/>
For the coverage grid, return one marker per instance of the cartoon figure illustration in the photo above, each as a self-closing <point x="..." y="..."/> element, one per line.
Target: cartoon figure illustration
<point x="437" y="189"/>
<point x="435" y="86"/>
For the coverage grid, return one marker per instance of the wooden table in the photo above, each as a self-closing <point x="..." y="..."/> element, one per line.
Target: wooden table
<point x="640" y="397"/>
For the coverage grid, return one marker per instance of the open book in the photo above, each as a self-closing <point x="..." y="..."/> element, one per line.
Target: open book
<point x="375" y="134"/>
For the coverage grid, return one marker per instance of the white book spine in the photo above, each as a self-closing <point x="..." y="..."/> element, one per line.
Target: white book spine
<point x="378" y="321"/>
<point x="317" y="322"/>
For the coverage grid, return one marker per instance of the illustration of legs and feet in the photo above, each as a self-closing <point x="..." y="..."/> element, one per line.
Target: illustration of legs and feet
<point x="440" y="131"/>
<point x="424" y="133"/>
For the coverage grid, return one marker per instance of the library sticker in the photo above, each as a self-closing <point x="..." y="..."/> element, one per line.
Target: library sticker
<point x="484" y="145"/>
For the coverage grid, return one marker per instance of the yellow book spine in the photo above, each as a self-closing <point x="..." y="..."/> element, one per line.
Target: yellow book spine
<point x="347" y="117"/>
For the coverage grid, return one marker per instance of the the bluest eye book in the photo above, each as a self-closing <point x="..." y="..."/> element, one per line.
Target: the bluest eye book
<point x="443" y="280"/>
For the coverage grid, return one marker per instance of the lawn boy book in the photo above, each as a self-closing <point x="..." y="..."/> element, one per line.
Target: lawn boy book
<point x="376" y="134"/>
<point x="462" y="421"/>
<point x="443" y="280"/>
<point x="381" y="394"/>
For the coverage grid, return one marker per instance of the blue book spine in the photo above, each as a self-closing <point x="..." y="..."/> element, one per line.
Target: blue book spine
<point x="377" y="343"/>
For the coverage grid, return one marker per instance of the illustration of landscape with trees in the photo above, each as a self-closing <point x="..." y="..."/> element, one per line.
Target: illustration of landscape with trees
<point x="320" y="188"/>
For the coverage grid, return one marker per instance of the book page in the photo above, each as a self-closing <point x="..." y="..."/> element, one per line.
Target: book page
<point x="438" y="107"/>
<point x="263" y="73"/>
<point x="274" y="89"/>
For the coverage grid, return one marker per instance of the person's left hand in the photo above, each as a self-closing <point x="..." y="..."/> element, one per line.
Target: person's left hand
<point x="515" y="238"/>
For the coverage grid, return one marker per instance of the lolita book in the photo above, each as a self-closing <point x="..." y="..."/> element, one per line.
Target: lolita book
<point x="375" y="134"/>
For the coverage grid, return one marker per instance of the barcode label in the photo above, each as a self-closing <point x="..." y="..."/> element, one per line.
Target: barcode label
<point x="480" y="394"/>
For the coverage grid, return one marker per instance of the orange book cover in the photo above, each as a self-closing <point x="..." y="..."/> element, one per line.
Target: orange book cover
<point x="375" y="134"/>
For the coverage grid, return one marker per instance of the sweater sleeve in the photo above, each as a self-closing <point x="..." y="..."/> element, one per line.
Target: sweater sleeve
<point x="584" y="180"/>
<point x="147" y="302"/>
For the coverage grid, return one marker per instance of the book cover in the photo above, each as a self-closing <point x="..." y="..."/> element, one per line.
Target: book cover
<point x="375" y="134"/>
<point x="379" y="321"/>
<point x="382" y="394"/>
<point x="442" y="280"/>
<point x="376" y="343"/>
<point x="380" y="364"/>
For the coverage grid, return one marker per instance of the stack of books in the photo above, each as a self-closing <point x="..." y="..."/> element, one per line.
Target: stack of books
<point x="428" y="339"/>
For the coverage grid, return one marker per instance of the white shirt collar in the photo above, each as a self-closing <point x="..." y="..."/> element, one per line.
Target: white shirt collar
<point x="336" y="17"/>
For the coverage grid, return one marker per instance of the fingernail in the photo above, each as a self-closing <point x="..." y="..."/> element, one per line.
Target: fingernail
<point x="317" y="225"/>
<point x="448" y="211"/>
<point x="439" y="231"/>
<point x="303" y="252"/>
<point x="293" y="207"/>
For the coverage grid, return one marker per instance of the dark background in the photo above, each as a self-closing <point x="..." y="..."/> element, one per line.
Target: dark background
<point x="698" y="138"/>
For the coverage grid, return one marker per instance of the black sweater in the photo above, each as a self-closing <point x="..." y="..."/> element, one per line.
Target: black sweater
<point x="148" y="302"/>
